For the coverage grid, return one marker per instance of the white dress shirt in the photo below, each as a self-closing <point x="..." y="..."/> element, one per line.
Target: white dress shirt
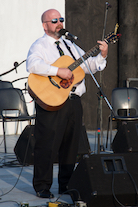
<point x="43" y="53"/>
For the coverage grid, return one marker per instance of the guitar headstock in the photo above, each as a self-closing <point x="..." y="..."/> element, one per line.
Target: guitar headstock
<point x="113" y="36"/>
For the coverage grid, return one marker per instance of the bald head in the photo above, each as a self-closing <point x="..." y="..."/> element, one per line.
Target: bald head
<point x="48" y="14"/>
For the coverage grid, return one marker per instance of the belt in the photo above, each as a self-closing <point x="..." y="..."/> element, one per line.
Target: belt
<point x="73" y="96"/>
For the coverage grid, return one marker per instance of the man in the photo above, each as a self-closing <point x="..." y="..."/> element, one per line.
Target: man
<point x="57" y="132"/>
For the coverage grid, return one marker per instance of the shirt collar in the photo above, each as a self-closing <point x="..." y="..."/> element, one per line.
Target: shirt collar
<point x="52" y="40"/>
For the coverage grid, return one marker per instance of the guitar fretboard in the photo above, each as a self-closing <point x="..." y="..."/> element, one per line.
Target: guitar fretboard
<point x="85" y="57"/>
<point x="112" y="37"/>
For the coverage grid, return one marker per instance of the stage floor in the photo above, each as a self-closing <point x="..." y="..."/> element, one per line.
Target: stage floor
<point x="16" y="181"/>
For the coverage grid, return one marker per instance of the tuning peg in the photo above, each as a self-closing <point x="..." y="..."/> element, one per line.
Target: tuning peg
<point x="116" y="28"/>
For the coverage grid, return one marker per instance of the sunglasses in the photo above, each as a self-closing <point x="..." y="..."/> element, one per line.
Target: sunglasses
<point x="54" y="21"/>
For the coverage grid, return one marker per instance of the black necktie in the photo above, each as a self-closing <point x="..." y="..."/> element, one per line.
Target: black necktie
<point x="59" y="48"/>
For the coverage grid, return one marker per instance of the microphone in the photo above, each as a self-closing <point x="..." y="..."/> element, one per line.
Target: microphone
<point x="16" y="64"/>
<point x="108" y="5"/>
<point x="67" y="34"/>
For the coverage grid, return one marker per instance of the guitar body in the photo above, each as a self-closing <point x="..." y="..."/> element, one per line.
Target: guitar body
<point x="52" y="94"/>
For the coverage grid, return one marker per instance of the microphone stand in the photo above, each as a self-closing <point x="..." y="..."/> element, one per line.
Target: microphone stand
<point x="100" y="89"/>
<point x="100" y="96"/>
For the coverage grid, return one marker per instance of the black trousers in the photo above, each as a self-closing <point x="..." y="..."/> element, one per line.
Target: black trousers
<point x="56" y="132"/>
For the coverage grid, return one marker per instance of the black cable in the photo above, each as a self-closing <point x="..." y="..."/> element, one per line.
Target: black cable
<point x="114" y="192"/>
<point x="24" y="101"/>
<point x="79" y="198"/>
<point x="12" y="163"/>
<point x="19" y="79"/>
<point x="25" y="89"/>
<point x="15" y="66"/>
<point x="135" y="186"/>
<point x="21" y="168"/>
<point x="10" y="201"/>
<point x="14" y="184"/>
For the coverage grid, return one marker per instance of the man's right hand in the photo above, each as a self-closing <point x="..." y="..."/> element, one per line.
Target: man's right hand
<point x="64" y="73"/>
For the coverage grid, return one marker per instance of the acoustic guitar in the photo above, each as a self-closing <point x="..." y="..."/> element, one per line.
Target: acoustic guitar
<point x="52" y="92"/>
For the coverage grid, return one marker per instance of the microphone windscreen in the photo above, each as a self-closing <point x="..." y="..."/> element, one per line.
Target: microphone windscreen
<point x="62" y="31"/>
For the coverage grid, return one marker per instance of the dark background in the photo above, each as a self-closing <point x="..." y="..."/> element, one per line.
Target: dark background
<point x="85" y="19"/>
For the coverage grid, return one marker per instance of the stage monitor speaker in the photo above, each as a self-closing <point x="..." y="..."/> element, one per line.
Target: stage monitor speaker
<point x="24" y="148"/>
<point x="126" y="138"/>
<point x="104" y="180"/>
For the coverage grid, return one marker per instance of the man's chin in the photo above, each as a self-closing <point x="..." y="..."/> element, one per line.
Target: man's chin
<point x="58" y="34"/>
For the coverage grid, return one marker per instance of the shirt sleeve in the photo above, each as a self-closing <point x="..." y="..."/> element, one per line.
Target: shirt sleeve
<point x="96" y="63"/>
<point x="37" y="63"/>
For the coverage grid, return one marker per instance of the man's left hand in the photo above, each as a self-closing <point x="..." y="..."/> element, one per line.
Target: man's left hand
<point x="103" y="46"/>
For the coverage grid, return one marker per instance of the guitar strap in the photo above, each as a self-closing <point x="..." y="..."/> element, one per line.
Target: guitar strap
<point x="74" y="87"/>
<point x="69" y="49"/>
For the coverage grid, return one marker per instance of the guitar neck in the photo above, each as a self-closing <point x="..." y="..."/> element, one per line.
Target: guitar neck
<point x="112" y="37"/>
<point x="85" y="57"/>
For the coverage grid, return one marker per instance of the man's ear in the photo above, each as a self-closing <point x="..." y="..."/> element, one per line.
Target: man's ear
<point x="44" y="26"/>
